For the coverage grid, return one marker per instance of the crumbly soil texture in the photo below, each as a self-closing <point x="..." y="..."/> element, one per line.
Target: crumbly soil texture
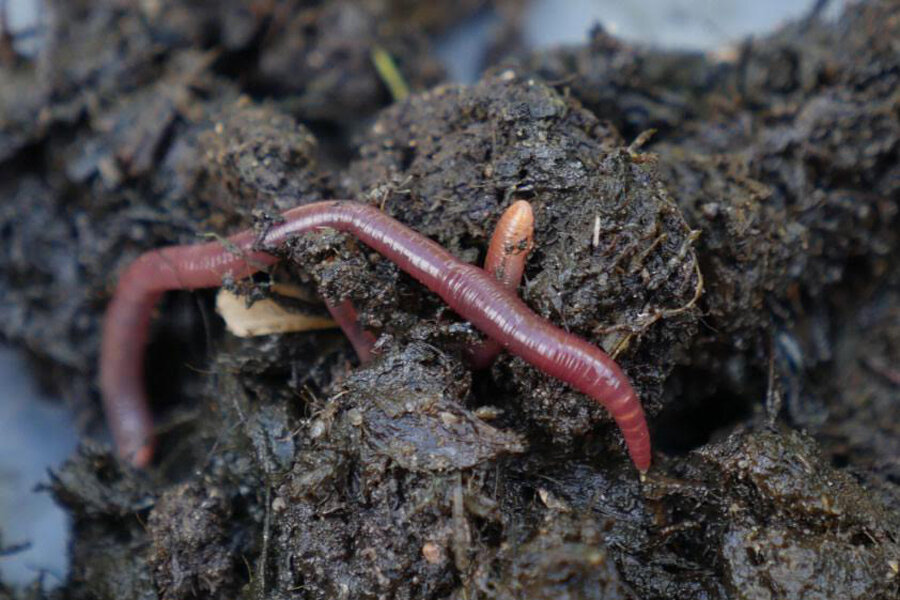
<point x="725" y="226"/>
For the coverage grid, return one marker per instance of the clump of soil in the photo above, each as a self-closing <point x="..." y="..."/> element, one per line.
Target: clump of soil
<point x="451" y="160"/>
<point x="735" y="519"/>
<point x="739" y="265"/>
<point x="635" y="88"/>
<point x="799" y="127"/>
<point x="858" y="429"/>
<point x="318" y="60"/>
<point x="315" y="58"/>
<point x="784" y="153"/>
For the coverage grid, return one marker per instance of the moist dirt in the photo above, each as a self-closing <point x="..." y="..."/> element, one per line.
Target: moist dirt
<point x="725" y="226"/>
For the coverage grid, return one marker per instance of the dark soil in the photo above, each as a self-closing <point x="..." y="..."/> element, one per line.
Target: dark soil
<point x="744" y="275"/>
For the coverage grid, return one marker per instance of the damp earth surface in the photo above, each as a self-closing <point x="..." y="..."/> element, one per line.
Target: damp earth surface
<point x="725" y="226"/>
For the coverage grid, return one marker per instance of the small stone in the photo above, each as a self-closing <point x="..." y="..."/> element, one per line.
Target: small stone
<point x="433" y="553"/>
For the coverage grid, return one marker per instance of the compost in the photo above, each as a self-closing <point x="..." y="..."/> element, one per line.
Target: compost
<point x="726" y="227"/>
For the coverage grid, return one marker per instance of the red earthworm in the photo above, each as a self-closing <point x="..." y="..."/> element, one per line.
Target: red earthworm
<point x="127" y="321"/>
<point x="509" y="247"/>
<point x="469" y="291"/>
<point x="510" y="244"/>
<point x="362" y="340"/>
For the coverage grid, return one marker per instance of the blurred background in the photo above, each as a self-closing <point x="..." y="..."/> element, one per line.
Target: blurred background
<point x="36" y="433"/>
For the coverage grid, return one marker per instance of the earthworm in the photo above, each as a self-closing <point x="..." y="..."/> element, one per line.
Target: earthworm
<point x="468" y="290"/>
<point x="509" y="247"/>
<point x="344" y="314"/>
<point x="505" y="260"/>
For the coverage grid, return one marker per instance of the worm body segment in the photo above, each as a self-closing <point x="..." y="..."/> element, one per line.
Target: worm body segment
<point x="468" y="290"/>
<point x="344" y="314"/>
<point x="510" y="244"/>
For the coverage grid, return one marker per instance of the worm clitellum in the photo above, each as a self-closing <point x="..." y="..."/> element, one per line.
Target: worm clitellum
<point x="470" y="291"/>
